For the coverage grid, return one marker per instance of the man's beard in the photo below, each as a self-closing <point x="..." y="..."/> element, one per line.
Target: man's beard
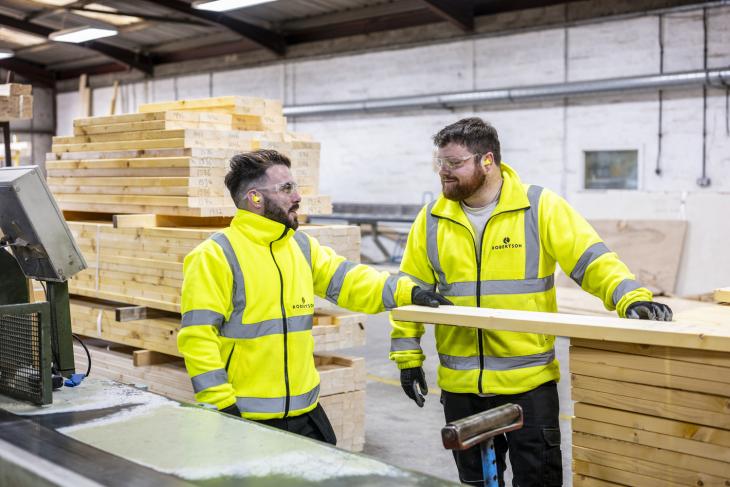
<point x="459" y="191"/>
<point x="276" y="213"/>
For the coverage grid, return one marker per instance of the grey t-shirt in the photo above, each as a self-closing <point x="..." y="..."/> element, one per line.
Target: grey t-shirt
<point x="478" y="217"/>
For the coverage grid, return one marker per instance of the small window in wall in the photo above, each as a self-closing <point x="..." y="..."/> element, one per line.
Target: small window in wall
<point x="616" y="169"/>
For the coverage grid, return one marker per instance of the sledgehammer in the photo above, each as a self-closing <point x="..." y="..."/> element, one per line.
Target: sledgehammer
<point x="480" y="429"/>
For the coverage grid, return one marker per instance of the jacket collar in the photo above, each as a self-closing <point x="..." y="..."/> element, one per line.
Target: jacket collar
<point x="512" y="197"/>
<point x="259" y="229"/>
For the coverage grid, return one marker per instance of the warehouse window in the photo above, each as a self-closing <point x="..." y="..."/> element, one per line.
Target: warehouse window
<point x="618" y="169"/>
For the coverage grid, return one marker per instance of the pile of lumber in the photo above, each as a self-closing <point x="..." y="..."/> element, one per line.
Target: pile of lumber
<point x="143" y="265"/>
<point x="171" y="158"/>
<point x="652" y="399"/>
<point x="648" y="415"/>
<point x="341" y="390"/>
<point x="140" y="191"/>
<point x="16" y="102"/>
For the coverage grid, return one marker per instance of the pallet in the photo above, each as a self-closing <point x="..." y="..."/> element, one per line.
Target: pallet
<point x="342" y="382"/>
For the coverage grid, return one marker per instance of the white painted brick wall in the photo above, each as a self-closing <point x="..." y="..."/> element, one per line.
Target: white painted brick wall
<point x="385" y="158"/>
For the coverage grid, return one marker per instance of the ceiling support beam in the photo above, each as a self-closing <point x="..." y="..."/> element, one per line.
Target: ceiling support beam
<point x="460" y="13"/>
<point x="121" y="55"/>
<point x="265" y="38"/>
<point x="34" y="73"/>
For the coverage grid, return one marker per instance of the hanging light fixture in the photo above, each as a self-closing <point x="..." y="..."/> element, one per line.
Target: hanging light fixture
<point x="82" y="34"/>
<point x="224" y="5"/>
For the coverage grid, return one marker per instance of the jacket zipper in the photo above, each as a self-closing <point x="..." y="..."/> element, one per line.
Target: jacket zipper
<point x="478" y="256"/>
<point x="286" y="329"/>
<point x="230" y="356"/>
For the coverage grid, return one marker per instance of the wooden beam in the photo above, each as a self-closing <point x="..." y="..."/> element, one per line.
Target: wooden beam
<point x="263" y="37"/>
<point x="123" y="56"/>
<point x="461" y="13"/>
<point x="679" y="333"/>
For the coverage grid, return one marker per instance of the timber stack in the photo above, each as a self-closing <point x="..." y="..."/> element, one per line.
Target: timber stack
<point x="16" y="102"/>
<point x="648" y="415"/>
<point x="140" y="191"/>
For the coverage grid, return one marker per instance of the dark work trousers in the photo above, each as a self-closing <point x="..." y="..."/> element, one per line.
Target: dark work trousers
<point x="315" y="424"/>
<point x="534" y="450"/>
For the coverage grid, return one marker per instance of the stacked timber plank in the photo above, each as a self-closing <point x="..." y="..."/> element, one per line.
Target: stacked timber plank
<point x="649" y="415"/>
<point x="16" y="102"/>
<point x="171" y="158"/>
<point x="143" y="265"/>
<point x="652" y="399"/>
<point x="342" y="388"/>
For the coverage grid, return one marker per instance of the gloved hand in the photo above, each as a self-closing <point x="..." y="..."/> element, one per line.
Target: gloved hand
<point x="424" y="297"/>
<point x="232" y="410"/>
<point x="649" y="310"/>
<point x="411" y="380"/>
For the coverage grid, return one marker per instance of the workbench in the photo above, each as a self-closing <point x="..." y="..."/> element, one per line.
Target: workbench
<point x="106" y="433"/>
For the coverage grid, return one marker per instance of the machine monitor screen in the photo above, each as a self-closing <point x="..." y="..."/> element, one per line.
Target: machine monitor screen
<point x="33" y="227"/>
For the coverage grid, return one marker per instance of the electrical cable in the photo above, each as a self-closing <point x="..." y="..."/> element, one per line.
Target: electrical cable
<point x="88" y="355"/>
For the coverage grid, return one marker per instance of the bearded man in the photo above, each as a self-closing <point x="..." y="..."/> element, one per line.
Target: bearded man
<point x="491" y="241"/>
<point x="248" y="303"/>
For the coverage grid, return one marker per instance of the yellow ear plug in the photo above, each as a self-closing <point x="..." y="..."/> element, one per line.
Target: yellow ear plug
<point x="256" y="198"/>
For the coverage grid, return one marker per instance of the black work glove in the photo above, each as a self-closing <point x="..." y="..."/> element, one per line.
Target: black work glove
<point x="424" y="297"/>
<point x="649" y="310"/>
<point x="411" y="380"/>
<point x="232" y="410"/>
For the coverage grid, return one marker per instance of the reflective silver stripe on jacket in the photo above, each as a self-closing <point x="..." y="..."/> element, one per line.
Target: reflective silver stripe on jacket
<point x="303" y="240"/>
<point x="275" y="405"/>
<point x="531" y="283"/>
<point x="456" y="362"/>
<point x="401" y="344"/>
<point x="338" y="278"/>
<point x="239" y="291"/>
<point x="625" y="287"/>
<point x="432" y="248"/>
<point x="419" y="282"/>
<point x="532" y="233"/>
<point x="388" y="295"/>
<point x="506" y="286"/>
<point x="209" y="379"/>
<point x="591" y="253"/>
<point x="267" y="327"/>
<point x="198" y="317"/>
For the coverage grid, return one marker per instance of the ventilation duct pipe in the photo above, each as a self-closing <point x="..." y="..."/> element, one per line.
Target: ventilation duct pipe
<point x="717" y="78"/>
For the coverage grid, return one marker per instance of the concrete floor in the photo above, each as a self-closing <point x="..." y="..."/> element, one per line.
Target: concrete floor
<point x="399" y="432"/>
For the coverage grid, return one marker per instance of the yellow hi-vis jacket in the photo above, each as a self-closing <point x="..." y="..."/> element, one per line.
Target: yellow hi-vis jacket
<point x="530" y="231"/>
<point x="247" y="309"/>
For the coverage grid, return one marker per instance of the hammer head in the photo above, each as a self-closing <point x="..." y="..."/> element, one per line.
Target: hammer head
<point x="474" y="429"/>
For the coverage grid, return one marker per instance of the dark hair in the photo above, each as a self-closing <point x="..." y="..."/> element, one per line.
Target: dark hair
<point x="250" y="167"/>
<point x="474" y="133"/>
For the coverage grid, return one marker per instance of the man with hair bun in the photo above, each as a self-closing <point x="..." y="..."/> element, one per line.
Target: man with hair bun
<point x="248" y="302"/>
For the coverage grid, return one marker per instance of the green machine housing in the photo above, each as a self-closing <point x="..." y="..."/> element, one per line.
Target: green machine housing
<point x="35" y="243"/>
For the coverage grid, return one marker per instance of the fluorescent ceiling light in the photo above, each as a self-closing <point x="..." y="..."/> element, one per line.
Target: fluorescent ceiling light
<point x="223" y="5"/>
<point x="81" y="34"/>
<point x="6" y="53"/>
